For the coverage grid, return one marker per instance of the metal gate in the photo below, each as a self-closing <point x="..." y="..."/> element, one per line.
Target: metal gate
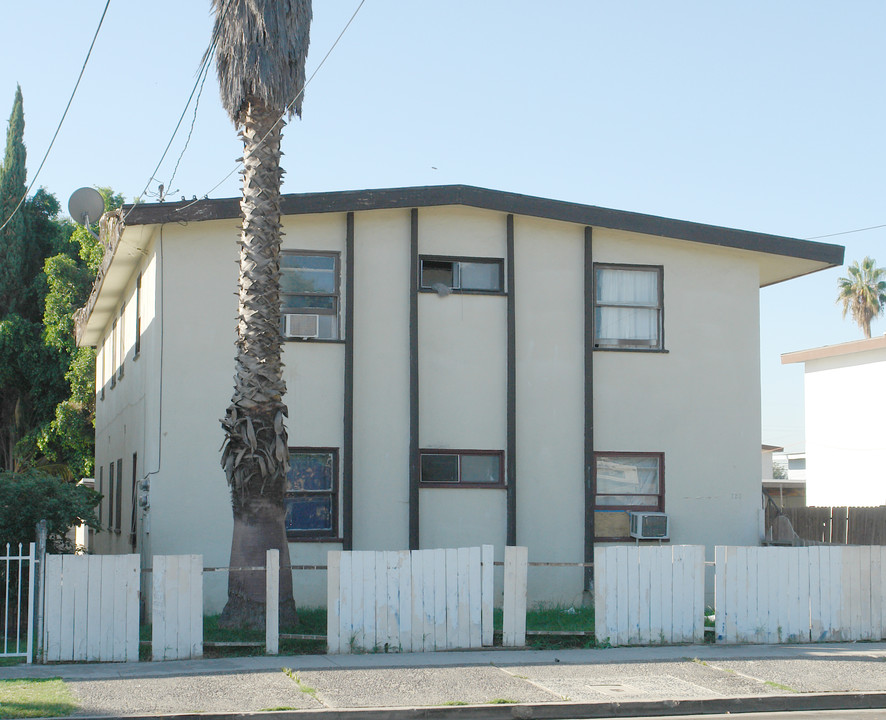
<point x="17" y="585"/>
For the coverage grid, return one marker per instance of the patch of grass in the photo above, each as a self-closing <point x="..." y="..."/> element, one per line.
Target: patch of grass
<point x="277" y="709"/>
<point x="35" y="698"/>
<point x="306" y="689"/>
<point x="780" y="686"/>
<point x="312" y="621"/>
<point x="556" y="619"/>
<point x="502" y="701"/>
<point x="455" y="702"/>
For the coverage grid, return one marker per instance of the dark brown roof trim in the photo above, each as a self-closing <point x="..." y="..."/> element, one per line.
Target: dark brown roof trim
<point x="435" y="195"/>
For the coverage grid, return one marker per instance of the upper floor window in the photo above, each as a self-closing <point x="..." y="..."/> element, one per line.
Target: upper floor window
<point x="120" y="343"/>
<point x="138" y="317"/>
<point x="628" y="307"/>
<point x="461" y="274"/>
<point x="310" y="294"/>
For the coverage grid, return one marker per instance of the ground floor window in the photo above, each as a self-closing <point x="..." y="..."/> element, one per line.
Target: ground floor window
<point x="311" y="493"/>
<point x="462" y="468"/>
<point x="625" y="482"/>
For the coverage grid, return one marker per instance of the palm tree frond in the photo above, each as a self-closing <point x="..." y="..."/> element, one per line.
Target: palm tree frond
<point x="260" y="55"/>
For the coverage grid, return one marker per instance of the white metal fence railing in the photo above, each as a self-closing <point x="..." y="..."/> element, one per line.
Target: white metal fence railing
<point x="17" y="580"/>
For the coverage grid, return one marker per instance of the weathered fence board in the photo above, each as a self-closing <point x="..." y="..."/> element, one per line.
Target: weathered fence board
<point x="799" y="594"/>
<point x="835" y="525"/>
<point x="177" y="607"/>
<point x="418" y="600"/>
<point x="514" y="601"/>
<point x="91" y="608"/>
<point x="649" y="595"/>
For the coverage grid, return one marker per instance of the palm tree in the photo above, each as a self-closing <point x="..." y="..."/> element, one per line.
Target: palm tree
<point x="863" y="293"/>
<point x="260" y="60"/>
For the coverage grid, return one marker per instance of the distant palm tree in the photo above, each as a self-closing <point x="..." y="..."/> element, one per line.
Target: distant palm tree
<point x="863" y="293"/>
<point x="260" y="59"/>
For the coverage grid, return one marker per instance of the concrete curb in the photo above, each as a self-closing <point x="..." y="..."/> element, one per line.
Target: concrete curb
<point x="558" y="711"/>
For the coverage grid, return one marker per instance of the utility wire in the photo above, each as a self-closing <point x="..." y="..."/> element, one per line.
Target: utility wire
<point x="191" y="130"/>
<point x="297" y="95"/>
<point x="64" y="115"/>
<point x="845" y="232"/>
<point x="201" y="77"/>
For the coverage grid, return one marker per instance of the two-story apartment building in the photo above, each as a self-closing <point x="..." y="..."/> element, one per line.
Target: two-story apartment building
<point x="463" y="365"/>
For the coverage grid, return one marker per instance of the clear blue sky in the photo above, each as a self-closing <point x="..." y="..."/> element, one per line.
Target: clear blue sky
<point x="764" y="116"/>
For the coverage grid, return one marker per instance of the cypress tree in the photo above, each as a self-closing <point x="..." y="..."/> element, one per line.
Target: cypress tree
<point x="12" y="189"/>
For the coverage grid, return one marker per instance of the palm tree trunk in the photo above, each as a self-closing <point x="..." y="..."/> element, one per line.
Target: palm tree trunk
<point x="255" y="455"/>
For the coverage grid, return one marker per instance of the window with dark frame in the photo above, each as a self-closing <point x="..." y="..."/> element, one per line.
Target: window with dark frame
<point x="310" y="295"/>
<point x="114" y="354"/>
<point x="462" y="468"/>
<point x="625" y="482"/>
<point x="138" y="317"/>
<point x="132" y="521"/>
<point x="628" y="307"/>
<point x="461" y="274"/>
<point x="311" y="493"/>
<point x="122" y="346"/>
<point x="101" y="491"/>
<point x="111" y="496"/>
<point x="118" y="498"/>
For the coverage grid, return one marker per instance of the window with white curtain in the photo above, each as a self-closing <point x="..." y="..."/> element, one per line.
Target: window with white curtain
<point x="629" y="481"/>
<point x="628" y="307"/>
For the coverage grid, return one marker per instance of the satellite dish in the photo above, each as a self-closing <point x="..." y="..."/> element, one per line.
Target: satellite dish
<point x="86" y="205"/>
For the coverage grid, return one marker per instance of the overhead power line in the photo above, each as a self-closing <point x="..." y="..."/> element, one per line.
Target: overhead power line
<point x="845" y="232"/>
<point x="64" y="115"/>
<point x="198" y="83"/>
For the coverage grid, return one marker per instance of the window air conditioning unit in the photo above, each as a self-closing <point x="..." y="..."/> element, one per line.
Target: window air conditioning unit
<point x="298" y="325"/>
<point x="650" y="526"/>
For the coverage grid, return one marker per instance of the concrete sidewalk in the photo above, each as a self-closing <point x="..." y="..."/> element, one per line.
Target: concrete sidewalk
<point x="489" y="683"/>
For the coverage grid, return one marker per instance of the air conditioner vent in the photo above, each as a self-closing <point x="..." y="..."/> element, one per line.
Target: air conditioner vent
<point x="298" y="325"/>
<point x="650" y="526"/>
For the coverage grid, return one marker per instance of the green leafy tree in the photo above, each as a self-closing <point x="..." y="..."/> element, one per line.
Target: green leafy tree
<point x="69" y="436"/>
<point x="12" y="189"/>
<point x="260" y="58"/>
<point x="31" y="496"/>
<point x="863" y="293"/>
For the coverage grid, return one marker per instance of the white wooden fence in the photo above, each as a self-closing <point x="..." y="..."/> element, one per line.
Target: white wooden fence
<point x="409" y="601"/>
<point x="514" y="600"/>
<point x="800" y="594"/>
<point x="91" y="608"/>
<point x="18" y="599"/>
<point x="646" y="595"/>
<point x="177" y="607"/>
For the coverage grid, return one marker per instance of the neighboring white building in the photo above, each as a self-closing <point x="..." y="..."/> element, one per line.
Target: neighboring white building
<point x="767" y="452"/>
<point x="467" y="366"/>
<point x="845" y="391"/>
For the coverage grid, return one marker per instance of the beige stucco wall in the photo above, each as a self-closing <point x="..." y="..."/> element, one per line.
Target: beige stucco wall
<point x="844" y="458"/>
<point x="462" y="381"/>
<point x="549" y="286"/>
<point x="127" y="408"/>
<point x="381" y="380"/>
<point x="703" y="393"/>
